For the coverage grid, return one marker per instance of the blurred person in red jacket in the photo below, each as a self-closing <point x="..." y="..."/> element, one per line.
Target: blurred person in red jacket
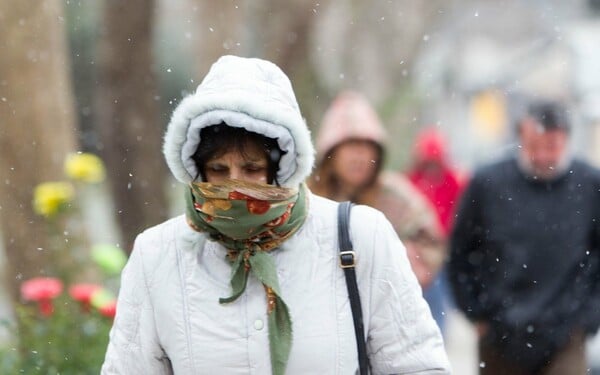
<point x="432" y="174"/>
<point x="350" y="158"/>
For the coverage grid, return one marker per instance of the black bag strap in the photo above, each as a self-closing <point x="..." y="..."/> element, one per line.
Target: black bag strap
<point x="348" y="262"/>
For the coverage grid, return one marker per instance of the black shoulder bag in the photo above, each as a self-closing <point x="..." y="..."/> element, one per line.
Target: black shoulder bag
<point x="348" y="262"/>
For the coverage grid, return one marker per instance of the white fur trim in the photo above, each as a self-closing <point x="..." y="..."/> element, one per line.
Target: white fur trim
<point x="250" y="93"/>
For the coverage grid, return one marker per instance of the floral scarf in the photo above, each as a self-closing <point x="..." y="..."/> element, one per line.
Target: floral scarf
<point x="251" y="219"/>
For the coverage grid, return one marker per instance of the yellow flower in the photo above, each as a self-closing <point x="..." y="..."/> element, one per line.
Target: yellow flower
<point x="51" y="197"/>
<point x="85" y="167"/>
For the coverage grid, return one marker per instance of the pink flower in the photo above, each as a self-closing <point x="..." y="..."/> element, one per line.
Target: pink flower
<point x="82" y="293"/>
<point x="42" y="290"/>
<point x="109" y="309"/>
<point x="105" y="301"/>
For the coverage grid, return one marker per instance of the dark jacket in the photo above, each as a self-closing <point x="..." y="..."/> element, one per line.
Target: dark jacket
<point x="525" y="256"/>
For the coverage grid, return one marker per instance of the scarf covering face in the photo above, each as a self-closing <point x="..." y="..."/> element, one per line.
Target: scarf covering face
<point x="251" y="219"/>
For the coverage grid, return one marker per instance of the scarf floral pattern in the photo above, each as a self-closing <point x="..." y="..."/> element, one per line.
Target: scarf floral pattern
<point x="250" y="220"/>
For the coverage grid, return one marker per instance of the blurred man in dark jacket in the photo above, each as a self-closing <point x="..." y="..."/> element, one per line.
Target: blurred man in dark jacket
<point x="525" y="252"/>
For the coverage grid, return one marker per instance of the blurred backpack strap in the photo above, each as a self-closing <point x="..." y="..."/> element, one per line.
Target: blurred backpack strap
<point x="348" y="263"/>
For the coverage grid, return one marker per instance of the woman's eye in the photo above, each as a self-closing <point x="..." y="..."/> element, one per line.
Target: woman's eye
<point x="215" y="169"/>
<point x="254" y="168"/>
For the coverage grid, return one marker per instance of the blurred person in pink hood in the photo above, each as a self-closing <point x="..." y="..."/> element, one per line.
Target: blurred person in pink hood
<point x="350" y="158"/>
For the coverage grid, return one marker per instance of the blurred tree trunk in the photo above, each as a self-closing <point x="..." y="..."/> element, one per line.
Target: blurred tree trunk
<point x="128" y="116"/>
<point x="288" y="43"/>
<point x="269" y="29"/>
<point x="371" y="46"/>
<point x="285" y="42"/>
<point x="37" y="127"/>
<point x="221" y="32"/>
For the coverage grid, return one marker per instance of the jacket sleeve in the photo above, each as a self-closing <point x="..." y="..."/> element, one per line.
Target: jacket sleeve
<point x="466" y="252"/>
<point x="417" y="225"/>
<point x="402" y="337"/>
<point x="134" y="347"/>
<point x="426" y="246"/>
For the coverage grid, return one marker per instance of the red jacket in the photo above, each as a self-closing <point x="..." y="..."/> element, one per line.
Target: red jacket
<point x="433" y="176"/>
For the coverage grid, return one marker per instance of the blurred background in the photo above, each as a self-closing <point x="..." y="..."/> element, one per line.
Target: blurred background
<point x="103" y="77"/>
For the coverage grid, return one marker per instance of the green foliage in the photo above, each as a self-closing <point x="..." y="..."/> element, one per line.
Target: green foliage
<point x="58" y="330"/>
<point x="70" y="341"/>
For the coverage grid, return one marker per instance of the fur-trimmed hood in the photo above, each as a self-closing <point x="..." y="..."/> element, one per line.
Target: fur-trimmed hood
<point x="243" y="92"/>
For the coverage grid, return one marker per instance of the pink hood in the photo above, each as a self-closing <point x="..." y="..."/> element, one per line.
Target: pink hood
<point x="350" y="116"/>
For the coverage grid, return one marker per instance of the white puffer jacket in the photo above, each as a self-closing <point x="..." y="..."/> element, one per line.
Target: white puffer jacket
<point x="169" y="319"/>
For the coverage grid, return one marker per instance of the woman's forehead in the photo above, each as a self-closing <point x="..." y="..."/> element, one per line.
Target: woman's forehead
<point x="250" y="152"/>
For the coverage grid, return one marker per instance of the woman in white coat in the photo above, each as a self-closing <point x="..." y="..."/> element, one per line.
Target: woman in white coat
<point x="248" y="280"/>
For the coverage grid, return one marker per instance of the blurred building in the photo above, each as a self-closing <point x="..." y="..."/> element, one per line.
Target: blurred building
<point x="485" y="58"/>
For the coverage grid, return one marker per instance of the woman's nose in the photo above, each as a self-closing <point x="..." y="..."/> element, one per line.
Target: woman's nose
<point x="235" y="173"/>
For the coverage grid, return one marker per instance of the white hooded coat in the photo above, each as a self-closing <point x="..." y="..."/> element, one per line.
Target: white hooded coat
<point x="168" y="317"/>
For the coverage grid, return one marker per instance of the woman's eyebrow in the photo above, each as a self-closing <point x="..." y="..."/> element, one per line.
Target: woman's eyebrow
<point x="254" y="162"/>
